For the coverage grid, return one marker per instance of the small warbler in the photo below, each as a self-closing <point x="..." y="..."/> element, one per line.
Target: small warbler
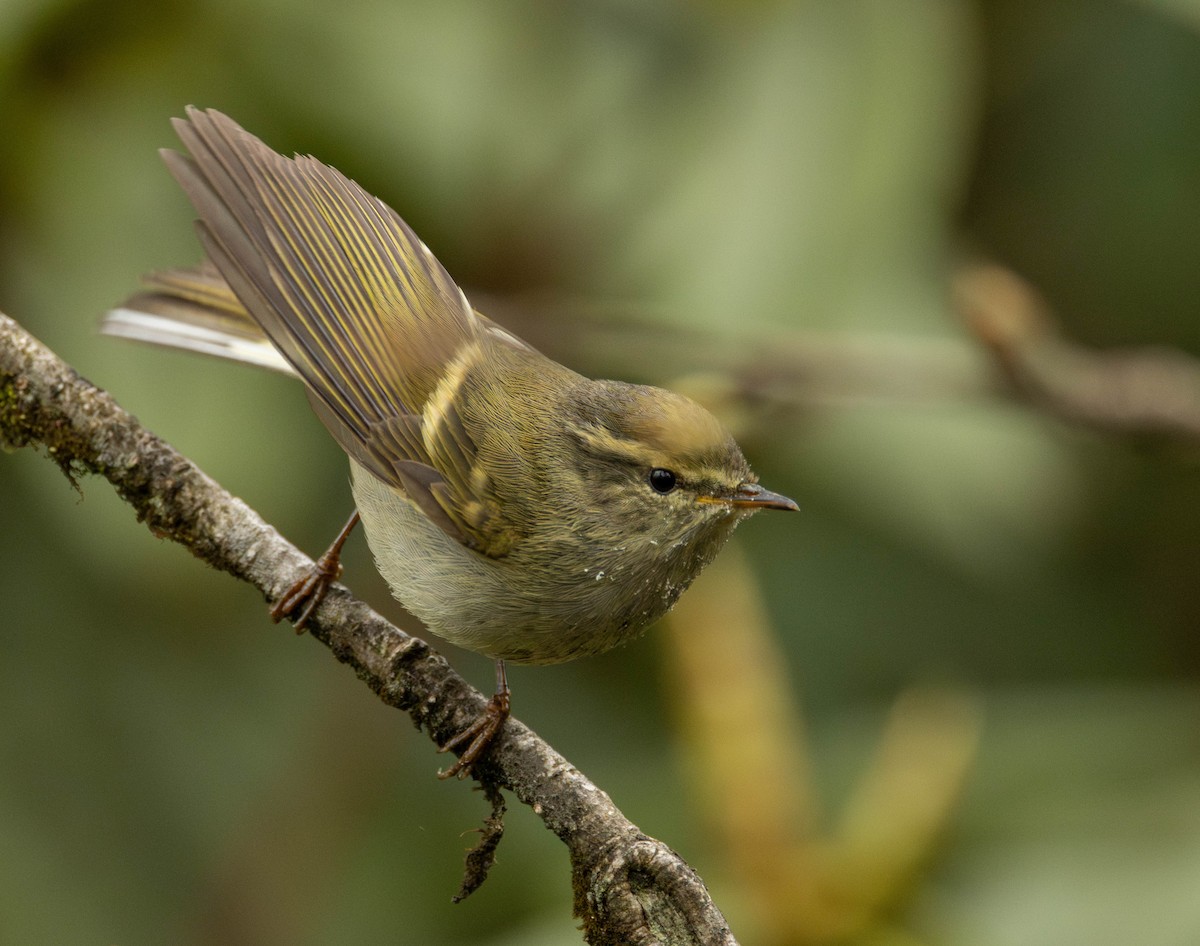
<point x="519" y="509"/>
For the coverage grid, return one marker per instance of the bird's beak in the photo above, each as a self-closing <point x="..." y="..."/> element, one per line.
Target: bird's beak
<point x="751" y="496"/>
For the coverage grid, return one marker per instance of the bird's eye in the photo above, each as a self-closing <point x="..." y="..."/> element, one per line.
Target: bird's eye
<point x="662" y="481"/>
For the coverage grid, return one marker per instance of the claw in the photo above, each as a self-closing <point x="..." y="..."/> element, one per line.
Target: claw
<point x="482" y="731"/>
<point x="310" y="590"/>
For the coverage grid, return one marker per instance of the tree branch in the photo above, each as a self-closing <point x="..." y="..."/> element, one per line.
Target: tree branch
<point x="629" y="888"/>
<point x="1150" y="392"/>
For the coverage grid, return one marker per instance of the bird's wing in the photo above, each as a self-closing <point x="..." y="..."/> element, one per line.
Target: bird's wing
<point x="356" y="304"/>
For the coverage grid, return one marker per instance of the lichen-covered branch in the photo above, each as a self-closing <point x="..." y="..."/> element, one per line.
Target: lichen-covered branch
<point x="629" y="888"/>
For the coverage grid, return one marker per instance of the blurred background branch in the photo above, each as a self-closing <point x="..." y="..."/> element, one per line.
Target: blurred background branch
<point x="1133" y="392"/>
<point x="1152" y="391"/>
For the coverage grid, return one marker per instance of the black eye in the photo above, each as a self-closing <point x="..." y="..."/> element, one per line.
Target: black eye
<point x="662" y="481"/>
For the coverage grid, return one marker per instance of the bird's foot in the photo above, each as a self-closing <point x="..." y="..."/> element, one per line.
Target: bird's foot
<point x="479" y="735"/>
<point x="310" y="591"/>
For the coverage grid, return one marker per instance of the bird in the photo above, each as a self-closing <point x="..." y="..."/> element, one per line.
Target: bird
<point x="518" y="508"/>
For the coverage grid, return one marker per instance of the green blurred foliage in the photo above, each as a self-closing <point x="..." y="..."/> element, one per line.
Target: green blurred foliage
<point x="174" y="769"/>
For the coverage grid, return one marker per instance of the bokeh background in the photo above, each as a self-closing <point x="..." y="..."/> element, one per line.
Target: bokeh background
<point x="953" y="701"/>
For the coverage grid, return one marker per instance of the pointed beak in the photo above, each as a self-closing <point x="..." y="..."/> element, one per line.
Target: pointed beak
<point x="753" y="496"/>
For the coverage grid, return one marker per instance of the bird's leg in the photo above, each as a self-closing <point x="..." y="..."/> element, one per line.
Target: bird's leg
<point x="481" y="732"/>
<point x="310" y="590"/>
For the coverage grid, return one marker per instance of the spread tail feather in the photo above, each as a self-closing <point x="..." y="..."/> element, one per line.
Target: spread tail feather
<point x="194" y="310"/>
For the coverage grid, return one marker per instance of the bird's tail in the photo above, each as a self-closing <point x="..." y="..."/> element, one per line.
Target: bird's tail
<point x="194" y="310"/>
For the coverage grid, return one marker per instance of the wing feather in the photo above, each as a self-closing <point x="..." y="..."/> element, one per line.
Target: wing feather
<point x="378" y="331"/>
